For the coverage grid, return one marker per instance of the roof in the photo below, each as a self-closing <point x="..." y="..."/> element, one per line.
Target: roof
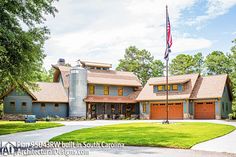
<point x="171" y="80"/>
<point x="113" y="99"/>
<point x="50" y="92"/>
<point x="96" y="64"/>
<point x="147" y="91"/>
<point x="46" y="92"/>
<point x="209" y="87"/>
<point x="112" y="77"/>
<point x="108" y="77"/>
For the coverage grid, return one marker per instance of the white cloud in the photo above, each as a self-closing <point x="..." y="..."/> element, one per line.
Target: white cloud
<point x="215" y="8"/>
<point x="101" y="30"/>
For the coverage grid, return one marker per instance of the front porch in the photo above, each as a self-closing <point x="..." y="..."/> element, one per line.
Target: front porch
<point x="112" y="110"/>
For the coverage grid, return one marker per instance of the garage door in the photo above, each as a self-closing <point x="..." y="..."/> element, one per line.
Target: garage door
<point x="158" y="111"/>
<point x="204" y="110"/>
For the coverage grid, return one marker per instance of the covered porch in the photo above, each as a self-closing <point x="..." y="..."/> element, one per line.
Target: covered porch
<point x="111" y="107"/>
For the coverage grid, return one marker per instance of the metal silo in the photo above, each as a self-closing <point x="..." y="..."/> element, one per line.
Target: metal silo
<point x="77" y="92"/>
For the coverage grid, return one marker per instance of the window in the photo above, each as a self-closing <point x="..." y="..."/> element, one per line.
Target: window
<point x="223" y="107"/>
<point x="175" y="87"/>
<point x="13" y="107"/>
<point x="144" y="107"/>
<point x="91" y="89"/>
<point x="56" y="107"/>
<point x="24" y="107"/>
<point x="168" y="87"/>
<point x="120" y="91"/>
<point x="106" y="90"/>
<point x="42" y="107"/>
<point x="160" y="88"/>
<point x="23" y="104"/>
<point x="226" y="106"/>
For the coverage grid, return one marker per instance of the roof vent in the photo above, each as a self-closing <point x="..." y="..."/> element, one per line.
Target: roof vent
<point x="61" y="61"/>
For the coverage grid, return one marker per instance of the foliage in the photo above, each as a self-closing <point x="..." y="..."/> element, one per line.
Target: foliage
<point x="218" y="63"/>
<point x="187" y="64"/>
<point x="22" y="37"/>
<point x="176" y="135"/>
<point x="9" y="127"/>
<point x="142" y="63"/>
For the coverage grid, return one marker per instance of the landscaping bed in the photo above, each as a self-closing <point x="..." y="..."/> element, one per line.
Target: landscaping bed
<point x="176" y="135"/>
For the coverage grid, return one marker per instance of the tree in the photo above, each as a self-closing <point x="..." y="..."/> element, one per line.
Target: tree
<point x="218" y="63"/>
<point x="22" y="37"/>
<point x="142" y="63"/>
<point x="182" y="64"/>
<point x="198" y="63"/>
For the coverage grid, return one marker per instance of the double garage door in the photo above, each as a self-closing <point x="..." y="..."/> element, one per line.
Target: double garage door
<point x="204" y="110"/>
<point x="158" y="111"/>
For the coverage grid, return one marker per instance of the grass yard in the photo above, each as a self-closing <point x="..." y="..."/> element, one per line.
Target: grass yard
<point x="176" y="135"/>
<point x="9" y="127"/>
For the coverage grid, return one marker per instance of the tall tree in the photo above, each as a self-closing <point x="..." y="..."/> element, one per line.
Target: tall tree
<point x="22" y="37"/>
<point x="198" y="63"/>
<point x="182" y="64"/>
<point x="142" y="63"/>
<point x="218" y="63"/>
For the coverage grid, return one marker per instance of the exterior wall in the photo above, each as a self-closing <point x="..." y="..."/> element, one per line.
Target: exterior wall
<point x="113" y="90"/>
<point x="186" y="110"/>
<point x="18" y="97"/>
<point x="50" y="110"/>
<point x="225" y="104"/>
<point x="144" y="115"/>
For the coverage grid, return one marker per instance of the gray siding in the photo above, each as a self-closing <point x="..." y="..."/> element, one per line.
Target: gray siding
<point x="113" y="90"/>
<point x="50" y="110"/>
<point x="226" y="104"/>
<point x="18" y="97"/>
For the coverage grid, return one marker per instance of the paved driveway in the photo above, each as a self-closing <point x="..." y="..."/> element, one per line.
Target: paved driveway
<point x="222" y="144"/>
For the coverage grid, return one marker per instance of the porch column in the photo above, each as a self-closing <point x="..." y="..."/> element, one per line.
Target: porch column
<point x="217" y="109"/>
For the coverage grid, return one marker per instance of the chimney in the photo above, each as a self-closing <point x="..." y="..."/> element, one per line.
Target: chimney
<point x="61" y="61"/>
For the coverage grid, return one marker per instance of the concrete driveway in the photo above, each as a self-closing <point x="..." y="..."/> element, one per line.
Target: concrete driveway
<point x="222" y="144"/>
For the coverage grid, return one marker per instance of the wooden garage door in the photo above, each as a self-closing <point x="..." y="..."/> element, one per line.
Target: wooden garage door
<point x="158" y="111"/>
<point x="204" y="110"/>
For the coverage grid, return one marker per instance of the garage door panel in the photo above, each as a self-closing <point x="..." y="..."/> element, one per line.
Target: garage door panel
<point x="158" y="111"/>
<point x="204" y="110"/>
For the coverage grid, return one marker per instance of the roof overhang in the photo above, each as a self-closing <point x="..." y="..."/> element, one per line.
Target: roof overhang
<point x="176" y="81"/>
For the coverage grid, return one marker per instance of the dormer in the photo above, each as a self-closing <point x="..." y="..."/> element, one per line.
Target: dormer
<point x="95" y="65"/>
<point x="176" y="85"/>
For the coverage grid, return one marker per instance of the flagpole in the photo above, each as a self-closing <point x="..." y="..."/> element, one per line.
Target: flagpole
<point x="167" y="105"/>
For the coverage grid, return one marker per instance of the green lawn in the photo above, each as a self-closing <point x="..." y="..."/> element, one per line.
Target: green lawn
<point x="9" y="127"/>
<point x="177" y="135"/>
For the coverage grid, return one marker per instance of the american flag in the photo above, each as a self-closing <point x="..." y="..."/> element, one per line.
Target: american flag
<point x="168" y="36"/>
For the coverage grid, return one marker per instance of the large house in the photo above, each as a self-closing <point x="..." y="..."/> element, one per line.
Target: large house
<point x="88" y="90"/>
<point x="93" y="90"/>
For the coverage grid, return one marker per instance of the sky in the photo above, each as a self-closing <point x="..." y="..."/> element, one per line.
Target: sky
<point x="101" y="30"/>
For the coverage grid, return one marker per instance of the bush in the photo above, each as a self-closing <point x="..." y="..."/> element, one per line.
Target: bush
<point x="232" y="116"/>
<point x="1" y="110"/>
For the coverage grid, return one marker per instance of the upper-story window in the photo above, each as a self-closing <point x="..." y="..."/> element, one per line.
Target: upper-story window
<point x="91" y="89"/>
<point x="175" y="87"/>
<point x="160" y="88"/>
<point x="106" y="90"/>
<point x="120" y="91"/>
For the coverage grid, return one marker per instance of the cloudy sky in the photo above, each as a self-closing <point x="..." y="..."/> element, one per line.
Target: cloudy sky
<point x="101" y="30"/>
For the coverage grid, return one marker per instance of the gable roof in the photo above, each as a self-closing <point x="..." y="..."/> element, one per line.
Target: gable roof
<point x="148" y="94"/>
<point x="108" y="77"/>
<point x="50" y="92"/>
<point x="46" y="92"/>
<point x="210" y="87"/>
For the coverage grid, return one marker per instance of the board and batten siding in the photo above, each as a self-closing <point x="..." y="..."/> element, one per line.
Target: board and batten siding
<point x="50" y="110"/>
<point x="113" y="90"/>
<point x="18" y="97"/>
<point x="225" y="103"/>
